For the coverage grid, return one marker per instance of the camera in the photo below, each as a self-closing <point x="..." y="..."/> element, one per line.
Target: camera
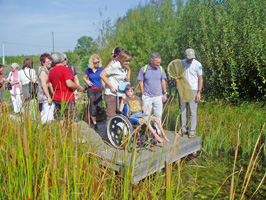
<point x="9" y="86"/>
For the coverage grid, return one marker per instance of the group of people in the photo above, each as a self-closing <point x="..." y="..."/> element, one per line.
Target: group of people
<point x="58" y="88"/>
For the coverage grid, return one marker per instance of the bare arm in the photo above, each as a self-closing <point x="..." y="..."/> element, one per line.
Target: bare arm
<point x="43" y="78"/>
<point x="122" y="104"/>
<point x="72" y="85"/>
<point x="87" y="81"/>
<point x="104" y="76"/>
<point x="76" y="80"/>
<point x="128" y="73"/>
<point x="164" y="90"/>
<point x="198" y="97"/>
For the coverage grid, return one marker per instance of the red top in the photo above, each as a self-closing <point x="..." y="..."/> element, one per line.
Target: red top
<point x="58" y="77"/>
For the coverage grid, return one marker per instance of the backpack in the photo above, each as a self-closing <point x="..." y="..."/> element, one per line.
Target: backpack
<point x="146" y="67"/>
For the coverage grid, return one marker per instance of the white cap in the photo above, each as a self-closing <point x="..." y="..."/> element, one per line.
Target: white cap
<point x="190" y="53"/>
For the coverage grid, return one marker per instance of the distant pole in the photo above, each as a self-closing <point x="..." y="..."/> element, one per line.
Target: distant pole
<point x="53" y="40"/>
<point x="3" y="53"/>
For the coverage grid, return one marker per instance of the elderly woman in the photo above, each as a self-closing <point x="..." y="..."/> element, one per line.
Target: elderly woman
<point x="93" y="80"/>
<point x="16" y="91"/>
<point x="112" y="76"/>
<point x="44" y="98"/>
<point x="26" y="75"/>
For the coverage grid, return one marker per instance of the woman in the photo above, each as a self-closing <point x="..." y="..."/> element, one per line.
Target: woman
<point x="44" y="99"/>
<point x="115" y="54"/>
<point x="93" y="80"/>
<point x="16" y="91"/>
<point x="112" y="76"/>
<point x="27" y="75"/>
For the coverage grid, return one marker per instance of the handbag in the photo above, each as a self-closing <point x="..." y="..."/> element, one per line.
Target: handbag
<point x="33" y="87"/>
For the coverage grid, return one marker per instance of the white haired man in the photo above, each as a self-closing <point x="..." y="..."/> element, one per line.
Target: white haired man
<point x="62" y="85"/>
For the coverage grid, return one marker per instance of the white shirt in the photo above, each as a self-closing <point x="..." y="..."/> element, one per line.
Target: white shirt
<point x="193" y="71"/>
<point x="117" y="74"/>
<point x="26" y="77"/>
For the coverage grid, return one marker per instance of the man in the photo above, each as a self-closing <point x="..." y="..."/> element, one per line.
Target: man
<point x="62" y="85"/>
<point x="193" y="75"/>
<point x="153" y="86"/>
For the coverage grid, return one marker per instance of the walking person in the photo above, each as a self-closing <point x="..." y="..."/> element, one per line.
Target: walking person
<point x="44" y="99"/>
<point x="15" y="88"/>
<point x="153" y="86"/>
<point x="93" y="80"/>
<point x="113" y="75"/>
<point x="194" y="76"/>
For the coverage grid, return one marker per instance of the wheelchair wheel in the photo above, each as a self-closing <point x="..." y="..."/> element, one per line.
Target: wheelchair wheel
<point x="118" y="129"/>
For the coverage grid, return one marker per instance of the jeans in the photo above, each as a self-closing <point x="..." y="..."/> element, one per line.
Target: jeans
<point x="192" y="106"/>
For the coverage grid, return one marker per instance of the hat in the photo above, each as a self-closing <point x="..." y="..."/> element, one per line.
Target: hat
<point x="190" y="53"/>
<point x="14" y="65"/>
<point x="65" y="57"/>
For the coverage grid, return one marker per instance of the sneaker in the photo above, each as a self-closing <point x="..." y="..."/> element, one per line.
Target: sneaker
<point x="95" y="127"/>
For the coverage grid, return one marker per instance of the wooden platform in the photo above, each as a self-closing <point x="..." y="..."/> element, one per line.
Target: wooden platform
<point x="147" y="160"/>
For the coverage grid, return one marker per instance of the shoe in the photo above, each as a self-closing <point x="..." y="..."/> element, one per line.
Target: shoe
<point x="95" y="127"/>
<point x="182" y="131"/>
<point x="191" y="135"/>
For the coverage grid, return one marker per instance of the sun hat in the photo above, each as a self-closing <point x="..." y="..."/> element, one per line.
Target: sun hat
<point x="190" y="53"/>
<point x="14" y="65"/>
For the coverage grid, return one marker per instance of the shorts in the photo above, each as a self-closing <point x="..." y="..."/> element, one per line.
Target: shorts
<point x="66" y="110"/>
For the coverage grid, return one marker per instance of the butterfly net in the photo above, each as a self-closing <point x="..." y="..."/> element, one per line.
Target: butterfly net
<point x="176" y="70"/>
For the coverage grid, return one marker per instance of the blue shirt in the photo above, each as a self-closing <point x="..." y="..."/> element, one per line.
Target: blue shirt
<point x="152" y="81"/>
<point x="94" y="77"/>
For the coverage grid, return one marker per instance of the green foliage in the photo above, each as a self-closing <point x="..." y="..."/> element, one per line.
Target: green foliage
<point x="84" y="62"/>
<point x="73" y="58"/>
<point x="228" y="37"/>
<point x="85" y="46"/>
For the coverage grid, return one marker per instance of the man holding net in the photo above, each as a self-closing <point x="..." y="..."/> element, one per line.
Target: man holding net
<point x="193" y="75"/>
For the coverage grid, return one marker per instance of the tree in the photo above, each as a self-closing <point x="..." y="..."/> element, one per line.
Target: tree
<point x="85" y="46"/>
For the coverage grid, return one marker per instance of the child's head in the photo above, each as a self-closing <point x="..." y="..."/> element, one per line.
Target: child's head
<point x="130" y="90"/>
<point x="1" y="68"/>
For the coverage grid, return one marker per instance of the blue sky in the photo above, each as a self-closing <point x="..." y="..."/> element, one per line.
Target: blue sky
<point x="26" y="26"/>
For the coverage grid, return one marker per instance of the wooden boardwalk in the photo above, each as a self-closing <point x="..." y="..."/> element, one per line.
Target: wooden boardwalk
<point x="147" y="160"/>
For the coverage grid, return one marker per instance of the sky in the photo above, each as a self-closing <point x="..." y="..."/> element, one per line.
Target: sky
<point x="26" y="26"/>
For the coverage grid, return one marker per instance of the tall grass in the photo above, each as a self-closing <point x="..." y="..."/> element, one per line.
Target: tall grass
<point x="218" y="124"/>
<point x="48" y="162"/>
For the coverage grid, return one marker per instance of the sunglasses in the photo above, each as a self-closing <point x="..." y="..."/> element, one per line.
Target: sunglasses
<point x="96" y="62"/>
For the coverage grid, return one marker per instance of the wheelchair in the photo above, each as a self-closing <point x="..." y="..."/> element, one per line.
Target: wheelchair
<point x="122" y="129"/>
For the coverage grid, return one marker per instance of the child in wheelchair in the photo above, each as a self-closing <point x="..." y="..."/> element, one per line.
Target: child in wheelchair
<point x="136" y="110"/>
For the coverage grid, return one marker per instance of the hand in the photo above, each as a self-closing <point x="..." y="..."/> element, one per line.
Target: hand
<point x="80" y="88"/>
<point x="113" y="90"/>
<point x="198" y="97"/>
<point x="89" y="83"/>
<point x="164" y="97"/>
<point x="49" y="100"/>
